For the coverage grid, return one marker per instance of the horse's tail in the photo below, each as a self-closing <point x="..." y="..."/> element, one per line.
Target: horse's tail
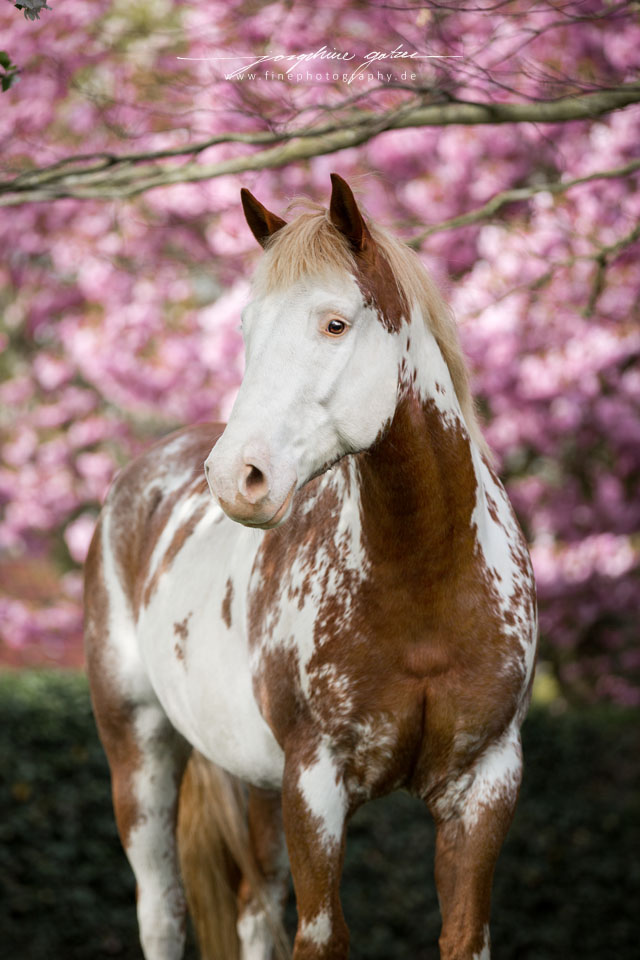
<point x="215" y="854"/>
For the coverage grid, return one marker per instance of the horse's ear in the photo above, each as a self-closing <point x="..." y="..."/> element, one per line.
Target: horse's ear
<point x="262" y="223"/>
<point x="345" y="215"/>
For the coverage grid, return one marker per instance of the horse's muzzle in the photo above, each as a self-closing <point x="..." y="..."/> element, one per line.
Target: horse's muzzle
<point x="248" y="492"/>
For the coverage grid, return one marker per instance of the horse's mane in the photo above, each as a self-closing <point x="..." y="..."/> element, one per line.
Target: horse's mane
<point x="310" y="245"/>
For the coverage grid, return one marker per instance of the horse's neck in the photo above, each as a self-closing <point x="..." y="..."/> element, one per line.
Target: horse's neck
<point x="417" y="484"/>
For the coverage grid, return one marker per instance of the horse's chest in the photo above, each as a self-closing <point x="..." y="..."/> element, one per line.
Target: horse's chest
<point x="377" y="674"/>
<point x="369" y="723"/>
<point x="324" y="671"/>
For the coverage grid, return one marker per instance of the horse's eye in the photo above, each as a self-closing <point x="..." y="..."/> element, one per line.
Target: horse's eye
<point x="336" y="327"/>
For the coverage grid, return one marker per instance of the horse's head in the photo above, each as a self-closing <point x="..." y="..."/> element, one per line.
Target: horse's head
<point x="323" y="358"/>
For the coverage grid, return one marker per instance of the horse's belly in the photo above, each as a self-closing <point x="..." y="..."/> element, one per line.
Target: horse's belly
<point x="194" y="645"/>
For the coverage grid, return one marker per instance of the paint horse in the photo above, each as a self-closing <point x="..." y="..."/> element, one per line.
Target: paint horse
<point x="340" y="605"/>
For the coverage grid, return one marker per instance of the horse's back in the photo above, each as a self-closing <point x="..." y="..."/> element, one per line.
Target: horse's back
<point x="166" y="578"/>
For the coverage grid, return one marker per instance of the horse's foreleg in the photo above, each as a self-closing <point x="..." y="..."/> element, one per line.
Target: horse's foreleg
<point x="314" y="803"/>
<point x="260" y="912"/>
<point x="147" y="760"/>
<point x="472" y="819"/>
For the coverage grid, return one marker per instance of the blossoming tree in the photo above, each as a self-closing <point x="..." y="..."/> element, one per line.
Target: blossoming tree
<point x="501" y="139"/>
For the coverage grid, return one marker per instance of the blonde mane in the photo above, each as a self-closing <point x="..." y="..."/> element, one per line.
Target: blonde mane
<point x="310" y="245"/>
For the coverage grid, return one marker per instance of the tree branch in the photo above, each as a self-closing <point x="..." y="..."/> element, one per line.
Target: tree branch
<point x="603" y="258"/>
<point x="506" y="197"/>
<point x="112" y="177"/>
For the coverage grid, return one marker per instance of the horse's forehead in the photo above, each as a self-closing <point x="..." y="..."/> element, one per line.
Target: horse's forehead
<point x="372" y="286"/>
<point x="310" y="293"/>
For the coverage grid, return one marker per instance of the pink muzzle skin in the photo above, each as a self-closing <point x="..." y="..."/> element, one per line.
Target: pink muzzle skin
<point x="248" y="493"/>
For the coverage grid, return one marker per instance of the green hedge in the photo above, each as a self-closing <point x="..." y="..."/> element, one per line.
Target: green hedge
<point x="567" y="885"/>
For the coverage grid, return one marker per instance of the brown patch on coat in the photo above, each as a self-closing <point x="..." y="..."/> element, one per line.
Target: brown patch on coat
<point x="179" y="539"/>
<point x="141" y="507"/>
<point x="114" y="715"/>
<point x="374" y="275"/>
<point x="181" y="630"/>
<point x="492" y="508"/>
<point x="418" y="492"/>
<point x="279" y="692"/>
<point x="379" y="288"/>
<point x="464" y="865"/>
<point x="226" y="603"/>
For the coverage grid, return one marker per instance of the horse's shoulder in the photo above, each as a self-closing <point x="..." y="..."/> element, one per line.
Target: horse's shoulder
<point x="165" y="466"/>
<point x="146" y="493"/>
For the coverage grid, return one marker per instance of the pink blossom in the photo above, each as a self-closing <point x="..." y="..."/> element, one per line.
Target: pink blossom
<point x="121" y="319"/>
<point x="78" y="536"/>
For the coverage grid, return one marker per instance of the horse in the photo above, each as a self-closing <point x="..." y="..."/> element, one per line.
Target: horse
<point x="339" y="605"/>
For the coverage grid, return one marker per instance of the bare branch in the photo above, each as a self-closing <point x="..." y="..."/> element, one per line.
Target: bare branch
<point x="603" y="258"/>
<point x="110" y="177"/>
<point x="597" y="285"/>
<point x="515" y="195"/>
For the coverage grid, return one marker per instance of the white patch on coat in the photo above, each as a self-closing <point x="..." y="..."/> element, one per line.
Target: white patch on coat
<point x="450" y="803"/>
<point x="496" y="777"/>
<point x="262" y="915"/>
<point x="427" y="371"/>
<point x="254" y="933"/>
<point x="168" y="480"/>
<point x="182" y="513"/>
<point x="151" y="847"/>
<point x="318" y="930"/>
<point x="501" y="545"/>
<point x="324" y="794"/>
<point x="121" y="654"/>
<point x="465" y="742"/>
<point x="337" y="687"/>
<point x="495" y="539"/>
<point x="493" y="778"/>
<point x="376" y="734"/>
<point x="373" y="742"/>
<point x="485" y="953"/>
<point x="210" y="698"/>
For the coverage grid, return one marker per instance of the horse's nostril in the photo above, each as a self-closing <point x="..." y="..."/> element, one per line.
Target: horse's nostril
<point x="254" y="479"/>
